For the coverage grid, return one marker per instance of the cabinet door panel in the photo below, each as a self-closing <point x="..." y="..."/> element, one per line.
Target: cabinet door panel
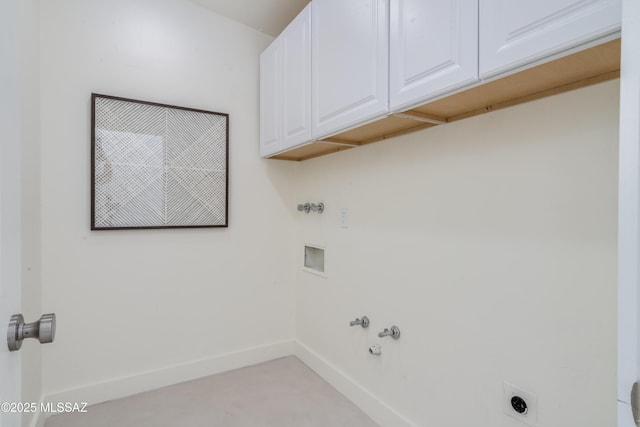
<point x="349" y="63"/>
<point x="433" y="48"/>
<point x="271" y="99"/>
<point x="296" y="50"/>
<point x="516" y="32"/>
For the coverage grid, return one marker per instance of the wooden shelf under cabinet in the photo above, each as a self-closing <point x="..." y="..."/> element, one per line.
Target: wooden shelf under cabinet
<point x="583" y="68"/>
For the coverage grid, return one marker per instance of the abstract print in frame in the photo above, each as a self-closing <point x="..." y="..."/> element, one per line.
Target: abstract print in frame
<point x="157" y="166"/>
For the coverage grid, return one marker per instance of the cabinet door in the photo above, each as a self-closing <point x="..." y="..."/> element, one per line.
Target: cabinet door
<point x="349" y="63"/>
<point x="296" y="72"/>
<point x="516" y="32"/>
<point x="433" y="49"/>
<point x="271" y="99"/>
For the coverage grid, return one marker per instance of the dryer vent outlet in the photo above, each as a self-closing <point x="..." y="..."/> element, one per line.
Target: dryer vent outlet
<point x="520" y="404"/>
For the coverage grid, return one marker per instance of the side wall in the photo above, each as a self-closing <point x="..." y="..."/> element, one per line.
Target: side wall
<point x="491" y="243"/>
<point x="140" y="309"/>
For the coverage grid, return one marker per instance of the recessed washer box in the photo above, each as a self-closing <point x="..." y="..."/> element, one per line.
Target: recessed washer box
<point x="314" y="260"/>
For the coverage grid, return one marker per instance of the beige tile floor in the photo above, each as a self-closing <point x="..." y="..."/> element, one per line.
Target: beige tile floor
<point x="280" y="393"/>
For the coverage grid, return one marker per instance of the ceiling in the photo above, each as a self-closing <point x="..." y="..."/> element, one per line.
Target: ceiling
<point x="267" y="16"/>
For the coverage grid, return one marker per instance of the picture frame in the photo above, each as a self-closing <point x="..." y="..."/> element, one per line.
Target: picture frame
<point x="157" y="166"/>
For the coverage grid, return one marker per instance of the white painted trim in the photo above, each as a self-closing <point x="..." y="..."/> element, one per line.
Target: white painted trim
<point x="625" y="418"/>
<point x="628" y="207"/>
<point x="38" y="419"/>
<point x="373" y="406"/>
<point x="150" y="380"/>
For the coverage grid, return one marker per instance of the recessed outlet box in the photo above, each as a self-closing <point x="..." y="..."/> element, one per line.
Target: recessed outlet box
<point x="520" y="404"/>
<point x="314" y="260"/>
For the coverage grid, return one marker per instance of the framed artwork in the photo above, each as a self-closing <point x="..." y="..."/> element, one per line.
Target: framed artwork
<point x="157" y="166"/>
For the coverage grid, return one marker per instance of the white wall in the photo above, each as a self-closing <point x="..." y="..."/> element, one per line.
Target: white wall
<point x="491" y="243"/>
<point x="134" y="304"/>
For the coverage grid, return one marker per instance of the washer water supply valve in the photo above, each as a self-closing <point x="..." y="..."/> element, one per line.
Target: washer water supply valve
<point x="394" y="333"/>
<point x="364" y="322"/>
<point x="311" y="207"/>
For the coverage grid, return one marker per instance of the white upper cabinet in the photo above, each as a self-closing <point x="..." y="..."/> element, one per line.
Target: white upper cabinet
<point x="296" y="72"/>
<point x="285" y="88"/>
<point x="343" y="64"/>
<point x="517" y="32"/>
<point x="349" y="63"/>
<point x="433" y="49"/>
<point x="271" y="99"/>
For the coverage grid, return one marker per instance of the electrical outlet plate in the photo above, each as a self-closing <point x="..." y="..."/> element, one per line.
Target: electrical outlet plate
<point x="530" y="417"/>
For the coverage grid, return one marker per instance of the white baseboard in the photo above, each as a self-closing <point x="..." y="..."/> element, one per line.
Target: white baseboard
<point x="150" y="380"/>
<point x="379" y="411"/>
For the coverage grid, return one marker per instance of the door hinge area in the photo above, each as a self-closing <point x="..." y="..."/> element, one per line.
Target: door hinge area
<point x="635" y="404"/>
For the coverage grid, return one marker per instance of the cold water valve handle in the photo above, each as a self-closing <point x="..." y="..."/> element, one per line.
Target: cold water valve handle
<point x="44" y="330"/>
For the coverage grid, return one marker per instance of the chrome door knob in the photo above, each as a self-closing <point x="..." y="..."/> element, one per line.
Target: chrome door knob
<point x="44" y="330"/>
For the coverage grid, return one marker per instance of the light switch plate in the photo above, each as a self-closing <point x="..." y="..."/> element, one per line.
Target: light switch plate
<point x="344" y="218"/>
